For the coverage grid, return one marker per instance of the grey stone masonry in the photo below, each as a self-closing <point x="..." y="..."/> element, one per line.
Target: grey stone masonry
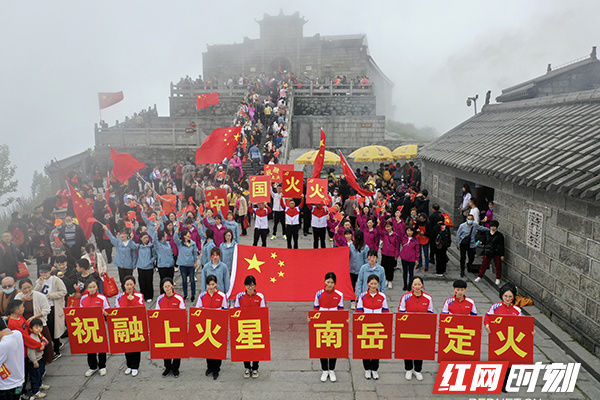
<point x="334" y="105"/>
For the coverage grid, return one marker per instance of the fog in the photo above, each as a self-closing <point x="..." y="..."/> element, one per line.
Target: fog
<point x="57" y="55"/>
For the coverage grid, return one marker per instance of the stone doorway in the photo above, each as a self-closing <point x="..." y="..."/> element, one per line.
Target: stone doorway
<point x="280" y="64"/>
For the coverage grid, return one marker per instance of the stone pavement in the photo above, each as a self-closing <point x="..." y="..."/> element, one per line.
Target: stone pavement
<point x="291" y="374"/>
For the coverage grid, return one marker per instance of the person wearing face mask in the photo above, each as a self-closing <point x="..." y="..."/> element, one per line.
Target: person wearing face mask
<point x="493" y="249"/>
<point x="73" y="237"/>
<point x="8" y="293"/>
<point x="466" y="243"/>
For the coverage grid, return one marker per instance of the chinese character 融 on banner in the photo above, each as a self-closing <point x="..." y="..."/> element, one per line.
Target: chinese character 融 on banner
<point x="127" y="329"/>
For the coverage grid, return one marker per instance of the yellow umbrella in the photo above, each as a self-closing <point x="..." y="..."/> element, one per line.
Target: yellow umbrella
<point x="372" y="153"/>
<point x="309" y="158"/>
<point x="406" y="151"/>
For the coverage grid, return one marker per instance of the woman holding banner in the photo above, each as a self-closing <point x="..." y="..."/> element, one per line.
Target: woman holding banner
<point x="96" y="362"/>
<point x="419" y="302"/>
<point x="329" y="299"/>
<point x="170" y="299"/>
<point x="131" y="298"/>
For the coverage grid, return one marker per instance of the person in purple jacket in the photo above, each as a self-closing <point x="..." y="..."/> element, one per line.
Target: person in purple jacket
<point x="409" y="255"/>
<point x="489" y="215"/>
<point x="389" y="252"/>
<point x="339" y="238"/>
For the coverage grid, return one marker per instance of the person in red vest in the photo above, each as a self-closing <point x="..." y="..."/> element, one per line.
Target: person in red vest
<point x="459" y="304"/>
<point x="319" y="224"/>
<point x="96" y="362"/>
<point x="292" y="220"/>
<point x="170" y="300"/>
<point x="261" y="223"/>
<point x="131" y="298"/>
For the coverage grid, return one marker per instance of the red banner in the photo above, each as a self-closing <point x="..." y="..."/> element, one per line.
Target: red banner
<point x="460" y="377"/>
<point x="415" y="336"/>
<point x="250" y="334"/>
<point x="328" y="334"/>
<point x="372" y="335"/>
<point x="316" y="191"/>
<point x="216" y="199"/>
<point x="275" y="171"/>
<point x="168" y="333"/>
<point x="293" y="184"/>
<point x="459" y="338"/>
<point x="87" y="331"/>
<point x="260" y="189"/>
<point x="128" y="329"/>
<point x="207" y="336"/>
<point x="511" y="339"/>
<point x="83" y="212"/>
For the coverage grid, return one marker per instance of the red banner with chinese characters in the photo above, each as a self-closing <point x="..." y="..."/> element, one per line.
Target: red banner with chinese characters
<point x="127" y="329"/>
<point x="275" y="171"/>
<point x="293" y="184"/>
<point x="260" y="189"/>
<point x="469" y="377"/>
<point x="207" y="337"/>
<point x="216" y="199"/>
<point x="250" y="334"/>
<point x="459" y="338"/>
<point x="511" y="339"/>
<point x="316" y="191"/>
<point x="415" y="336"/>
<point x="87" y="331"/>
<point x="168" y="333"/>
<point x="372" y="335"/>
<point x="328" y="334"/>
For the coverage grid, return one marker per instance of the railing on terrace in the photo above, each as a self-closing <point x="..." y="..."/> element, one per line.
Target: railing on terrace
<point x="144" y="137"/>
<point x="191" y="90"/>
<point x="313" y="89"/>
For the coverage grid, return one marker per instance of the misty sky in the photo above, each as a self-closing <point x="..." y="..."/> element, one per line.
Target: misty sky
<point x="57" y="55"/>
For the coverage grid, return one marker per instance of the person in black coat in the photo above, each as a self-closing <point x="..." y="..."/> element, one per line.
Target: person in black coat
<point x="73" y="237"/>
<point x="493" y="249"/>
<point x="10" y="256"/>
<point x="422" y="202"/>
<point x="102" y="240"/>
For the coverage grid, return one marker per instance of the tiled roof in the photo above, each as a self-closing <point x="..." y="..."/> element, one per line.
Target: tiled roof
<point x="550" y="143"/>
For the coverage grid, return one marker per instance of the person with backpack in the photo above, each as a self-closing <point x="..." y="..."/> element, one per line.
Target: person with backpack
<point x="466" y="243"/>
<point x="442" y="241"/>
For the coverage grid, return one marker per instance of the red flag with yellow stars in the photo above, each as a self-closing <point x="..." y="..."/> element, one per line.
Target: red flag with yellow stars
<point x="220" y="144"/>
<point x="351" y="178"/>
<point x="290" y="274"/>
<point x="320" y="158"/>
<point x="83" y="212"/>
<point x="207" y="99"/>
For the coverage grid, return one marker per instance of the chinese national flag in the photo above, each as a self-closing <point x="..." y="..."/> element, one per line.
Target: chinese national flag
<point x="124" y="165"/>
<point x="415" y="336"/>
<point x="220" y="144"/>
<point x="316" y="191"/>
<point x="286" y="274"/>
<point x="168" y="333"/>
<point x="511" y="339"/>
<point x="216" y="200"/>
<point x="207" y="336"/>
<point x="107" y="99"/>
<point x="128" y="329"/>
<point x="207" y="99"/>
<point x="351" y="178"/>
<point x="87" y="331"/>
<point x="328" y="334"/>
<point x="372" y="335"/>
<point x="293" y="184"/>
<point x="275" y="171"/>
<point x="83" y="212"/>
<point x="459" y="338"/>
<point x="320" y="158"/>
<point x="260" y="189"/>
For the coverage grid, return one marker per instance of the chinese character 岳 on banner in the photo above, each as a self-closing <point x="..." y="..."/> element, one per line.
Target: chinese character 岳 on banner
<point x="87" y="331"/>
<point x="208" y="333"/>
<point x="250" y="334"/>
<point x="216" y="200"/>
<point x="260" y="189"/>
<point x="511" y="339"/>
<point x="128" y="329"/>
<point x="168" y="333"/>
<point x="372" y="335"/>
<point x="415" y="336"/>
<point x="460" y="338"/>
<point x="316" y="191"/>
<point x="328" y="334"/>
<point x="293" y="184"/>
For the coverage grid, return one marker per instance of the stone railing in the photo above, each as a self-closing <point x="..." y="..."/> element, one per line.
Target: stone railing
<point x="331" y="89"/>
<point x="191" y="90"/>
<point x="146" y="137"/>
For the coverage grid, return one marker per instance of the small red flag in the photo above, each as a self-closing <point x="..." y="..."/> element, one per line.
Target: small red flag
<point x="320" y="158"/>
<point x="220" y="144"/>
<point x="351" y="178"/>
<point x="207" y="99"/>
<point x="124" y="165"/>
<point x="107" y="99"/>
<point x="83" y="212"/>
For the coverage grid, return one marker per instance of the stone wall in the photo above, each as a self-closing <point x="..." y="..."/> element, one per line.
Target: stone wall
<point x="343" y="132"/>
<point x="186" y="107"/>
<point x="334" y="105"/>
<point x="563" y="276"/>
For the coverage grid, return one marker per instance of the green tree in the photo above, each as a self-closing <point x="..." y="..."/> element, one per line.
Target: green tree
<point x="41" y="185"/>
<point x="8" y="184"/>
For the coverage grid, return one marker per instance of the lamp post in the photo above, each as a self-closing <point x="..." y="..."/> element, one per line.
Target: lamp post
<point x="474" y="101"/>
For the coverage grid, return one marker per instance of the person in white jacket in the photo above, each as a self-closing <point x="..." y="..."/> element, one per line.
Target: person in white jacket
<point x="55" y="291"/>
<point x="96" y="259"/>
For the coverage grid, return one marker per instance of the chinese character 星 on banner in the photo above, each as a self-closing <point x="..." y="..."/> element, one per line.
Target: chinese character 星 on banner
<point x="415" y="336"/>
<point x="460" y="338"/>
<point x="372" y="335"/>
<point x="250" y="334"/>
<point x="260" y="189"/>
<point x="208" y="333"/>
<point x="87" y="331"/>
<point x="293" y="184"/>
<point x="168" y="333"/>
<point x="511" y="339"/>
<point x="328" y="334"/>
<point x="128" y="329"/>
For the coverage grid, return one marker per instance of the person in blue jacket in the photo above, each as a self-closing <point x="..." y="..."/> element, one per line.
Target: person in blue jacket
<point x="358" y="257"/>
<point x="125" y="253"/>
<point x="217" y="268"/>
<point x="233" y="225"/>
<point x="209" y="244"/>
<point x="186" y="260"/>
<point x="164" y="255"/>
<point x="372" y="267"/>
<point x="145" y="266"/>
<point x="228" y="249"/>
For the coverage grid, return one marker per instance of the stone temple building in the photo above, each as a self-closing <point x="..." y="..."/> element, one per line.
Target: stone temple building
<point x="535" y="154"/>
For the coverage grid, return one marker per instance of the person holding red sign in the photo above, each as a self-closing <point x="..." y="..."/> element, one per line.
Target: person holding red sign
<point x="319" y="224"/>
<point x="329" y="299"/>
<point x="170" y="299"/>
<point x="248" y="299"/>
<point x="261" y="223"/>
<point x="218" y="228"/>
<point x="96" y="362"/>
<point x="459" y="304"/>
<point x="416" y="301"/>
<point x="339" y="238"/>
<point x="292" y="221"/>
<point x="372" y="302"/>
<point x="278" y="211"/>
<point x="131" y="298"/>
<point x="508" y="295"/>
<point x="212" y="299"/>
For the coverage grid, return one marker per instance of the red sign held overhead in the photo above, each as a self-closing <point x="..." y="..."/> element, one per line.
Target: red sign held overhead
<point x="293" y="184"/>
<point x="128" y="329"/>
<point x="328" y="334"/>
<point x="316" y="191"/>
<point x="459" y="338"/>
<point x="208" y="333"/>
<point x="275" y="171"/>
<point x="168" y="336"/>
<point x="415" y="336"/>
<point x="372" y="335"/>
<point x="511" y="339"/>
<point x="260" y="189"/>
<point x="87" y="331"/>
<point x="250" y="334"/>
<point x="216" y="200"/>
